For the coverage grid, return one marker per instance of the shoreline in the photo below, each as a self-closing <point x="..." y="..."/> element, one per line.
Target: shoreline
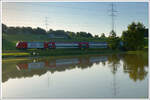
<point x="62" y="53"/>
<point x="58" y="53"/>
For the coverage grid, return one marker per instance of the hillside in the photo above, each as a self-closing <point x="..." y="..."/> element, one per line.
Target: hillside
<point x="9" y="40"/>
<point x="11" y="35"/>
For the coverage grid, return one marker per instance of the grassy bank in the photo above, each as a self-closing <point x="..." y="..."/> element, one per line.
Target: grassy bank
<point x="63" y="52"/>
<point x="55" y="52"/>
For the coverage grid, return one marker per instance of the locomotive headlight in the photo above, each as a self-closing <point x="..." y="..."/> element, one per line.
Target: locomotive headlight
<point x="17" y="43"/>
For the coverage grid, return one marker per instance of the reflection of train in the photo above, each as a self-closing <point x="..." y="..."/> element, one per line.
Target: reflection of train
<point x="59" y="63"/>
<point x="30" y="45"/>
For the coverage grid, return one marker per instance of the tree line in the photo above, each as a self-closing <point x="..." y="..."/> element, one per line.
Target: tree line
<point x="38" y="30"/>
<point x="134" y="38"/>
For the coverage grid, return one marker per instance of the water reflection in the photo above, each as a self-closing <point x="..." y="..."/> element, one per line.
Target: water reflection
<point x="116" y="75"/>
<point x="114" y="62"/>
<point x="133" y="64"/>
<point x="39" y="67"/>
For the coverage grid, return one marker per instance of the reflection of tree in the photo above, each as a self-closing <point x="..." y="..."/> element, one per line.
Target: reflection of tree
<point x="103" y="63"/>
<point x="114" y="62"/>
<point x="84" y="63"/>
<point x="135" y="65"/>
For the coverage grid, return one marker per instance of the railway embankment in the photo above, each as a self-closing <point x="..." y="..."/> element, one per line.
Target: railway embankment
<point x="55" y="52"/>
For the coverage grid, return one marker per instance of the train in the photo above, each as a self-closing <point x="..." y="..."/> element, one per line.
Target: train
<point x="55" y="45"/>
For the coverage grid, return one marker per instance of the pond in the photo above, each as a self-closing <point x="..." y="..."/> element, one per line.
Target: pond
<point x="94" y="76"/>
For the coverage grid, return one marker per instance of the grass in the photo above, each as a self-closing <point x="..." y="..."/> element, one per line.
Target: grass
<point x="56" y="52"/>
<point x="49" y="57"/>
<point x="9" y="40"/>
<point x="15" y="54"/>
<point x="8" y="45"/>
<point x="141" y="53"/>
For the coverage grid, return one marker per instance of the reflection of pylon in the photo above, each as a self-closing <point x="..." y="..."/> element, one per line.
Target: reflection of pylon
<point x="114" y="85"/>
<point x="48" y="79"/>
<point x="115" y="88"/>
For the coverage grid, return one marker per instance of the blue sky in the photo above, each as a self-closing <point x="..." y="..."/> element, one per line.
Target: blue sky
<point x="90" y="17"/>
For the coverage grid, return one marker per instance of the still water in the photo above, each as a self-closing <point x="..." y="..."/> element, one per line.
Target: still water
<point x="105" y="76"/>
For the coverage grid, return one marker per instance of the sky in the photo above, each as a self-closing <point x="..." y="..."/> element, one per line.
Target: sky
<point x="93" y="17"/>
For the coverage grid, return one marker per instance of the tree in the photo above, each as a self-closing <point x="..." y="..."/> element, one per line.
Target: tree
<point x="146" y="33"/>
<point x="102" y="35"/>
<point x="4" y="28"/>
<point x="96" y="36"/>
<point x="84" y="34"/>
<point x="12" y="30"/>
<point x="113" y="40"/>
<point x="39" y="31"/>
<point x="133" y="37"/>
<point x="89" y="35"/>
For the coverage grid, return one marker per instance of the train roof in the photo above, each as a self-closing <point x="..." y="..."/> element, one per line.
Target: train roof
<point x="63" y="42"/>
<point x="99" y="42"/>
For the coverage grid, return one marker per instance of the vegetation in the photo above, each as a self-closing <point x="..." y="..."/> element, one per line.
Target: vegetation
<point x="136" y="71"/>
<point x="16" y="54"/>
<point x="133" y="38"/>
<point x="41" y="33"/>
<point x="55" y="52"/>
<point x="113" y="40"/>
<point x="103" y="35"/>
<point x="10" y="36"/>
